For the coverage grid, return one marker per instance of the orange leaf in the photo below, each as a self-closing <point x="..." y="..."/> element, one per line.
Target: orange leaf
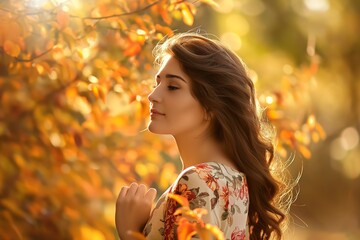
<point x="9" y="29"/>
<point x="304" y="151"/>
<point x="180" y="199"/>
<point x="274" y="114"/>
<point x="188" y="17"/>
<point x="320" y="130"/>
<point x="62" y="19"/>
<point x="163" y="29"/>
<point x="311" y="121"/>
<point x="186" y="229"/>
<point x="165" y="15"/>
<point x="11" y="48"/>
<point x="213" y="230"/>
<point x="132" y="49"/>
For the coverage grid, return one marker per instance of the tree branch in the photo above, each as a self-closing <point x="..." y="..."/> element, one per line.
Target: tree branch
<point x="120" y="14"/>
<point x="49" y="95"/>
<point x="27" y="60"/>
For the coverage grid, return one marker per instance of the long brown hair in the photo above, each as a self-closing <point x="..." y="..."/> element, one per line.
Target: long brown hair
<point x="220" y="83"/>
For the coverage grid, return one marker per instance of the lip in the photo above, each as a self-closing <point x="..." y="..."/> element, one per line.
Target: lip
<point x="153" y="111"/>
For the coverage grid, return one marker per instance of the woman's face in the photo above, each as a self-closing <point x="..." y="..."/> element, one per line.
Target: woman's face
<point x="173" y="109"/>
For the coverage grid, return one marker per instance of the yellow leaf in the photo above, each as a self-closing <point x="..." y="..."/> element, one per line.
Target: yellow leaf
<point x="320" y="130"/>
<point x="304" y="151"/>
<point x="186" y="229"/>
<point x="165" y="15"/>
<point x="188" y="17"/>
<point x="13" y="207"/>
<point x="11" y="48"/>
<point x="274" y="114"/>
<point x="132" y="49"/>
<point x="214" y="230"/>
<point x="180" y="199"/>
<point x="90" y="233"/>
<point x="182" y="210"/>
<point x="165" y="30"/>
<point x="315" y="137"/>
<point x="311" y="121"/>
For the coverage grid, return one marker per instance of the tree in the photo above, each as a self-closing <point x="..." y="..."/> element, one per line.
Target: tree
<point x="74" y="76"/>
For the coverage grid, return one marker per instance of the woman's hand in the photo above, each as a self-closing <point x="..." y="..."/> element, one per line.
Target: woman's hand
<point x="133" y="208"/>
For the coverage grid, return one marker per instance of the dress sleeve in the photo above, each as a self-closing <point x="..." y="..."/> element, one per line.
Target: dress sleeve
<point x="201" y="192"/>
<point x="223" y="192"/>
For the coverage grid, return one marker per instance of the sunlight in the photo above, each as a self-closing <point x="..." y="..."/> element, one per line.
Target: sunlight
<point x="42" y="3"/>
<point x="317" y="5"/>
<point x="232" y="40"/>
<point x="349" y="138"/>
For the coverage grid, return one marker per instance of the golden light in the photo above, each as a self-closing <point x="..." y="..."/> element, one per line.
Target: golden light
<point x="337" y="152"/>
<point x="349" y="138"/>
<point x="226" y="6"/>
<point x="237" y="24"/>
<point x="56" y="140"/>
<point x="317" y="5"/>
<point x="269" y="100"/>
<point x="232" y="40"/>
<point x="93" y="79"/>
<point x="288" y="69"/>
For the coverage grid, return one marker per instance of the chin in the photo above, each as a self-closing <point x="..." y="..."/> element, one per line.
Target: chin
<point x="156" y="130"/>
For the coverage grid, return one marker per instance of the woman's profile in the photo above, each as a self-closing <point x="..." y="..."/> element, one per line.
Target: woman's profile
<point x="204" y="98"/>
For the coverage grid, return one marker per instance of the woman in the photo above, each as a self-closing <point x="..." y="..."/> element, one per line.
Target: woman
<point x="204" y="98"/>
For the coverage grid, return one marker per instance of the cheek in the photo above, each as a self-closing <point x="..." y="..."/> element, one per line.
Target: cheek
<point x="186" y="111"/>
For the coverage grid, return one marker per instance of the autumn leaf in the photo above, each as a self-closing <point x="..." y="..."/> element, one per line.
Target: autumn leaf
<point x="132" y="49"/>
<point x="185" y="229"/>
<point x="188" y="17"/>
<point x="11" y="48"/>
<point x="62" y="19"/>
<point x="165" y="30"/>
<point x="180" y="199"/>
<point x="304" y="151"/>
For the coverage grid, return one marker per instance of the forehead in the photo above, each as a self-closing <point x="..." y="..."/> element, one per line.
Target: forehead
<point x="170" y="64"/>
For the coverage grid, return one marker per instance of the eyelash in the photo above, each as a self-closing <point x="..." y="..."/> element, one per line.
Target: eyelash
<point x="171" y="88"/>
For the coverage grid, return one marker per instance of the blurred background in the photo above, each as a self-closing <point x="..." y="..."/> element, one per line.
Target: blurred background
<point x="74" y="79"/>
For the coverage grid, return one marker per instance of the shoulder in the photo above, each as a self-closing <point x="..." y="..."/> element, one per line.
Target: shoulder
<point x="210" y="176"/>
<point x="209" y="171"/>
<point x="220" y="189"/>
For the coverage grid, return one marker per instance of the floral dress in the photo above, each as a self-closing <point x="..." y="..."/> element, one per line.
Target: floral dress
<point x="218" y="188"/>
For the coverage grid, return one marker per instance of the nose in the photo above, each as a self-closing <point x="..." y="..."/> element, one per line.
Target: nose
<point x="154" y="96"/>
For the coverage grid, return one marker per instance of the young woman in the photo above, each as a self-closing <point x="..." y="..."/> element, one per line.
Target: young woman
<point x="204" y="98"/>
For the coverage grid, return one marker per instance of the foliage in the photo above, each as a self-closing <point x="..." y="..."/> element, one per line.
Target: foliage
<point x="74" y="76"/>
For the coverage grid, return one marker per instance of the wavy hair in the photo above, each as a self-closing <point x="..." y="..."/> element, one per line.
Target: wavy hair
<point x="219" y="81"/>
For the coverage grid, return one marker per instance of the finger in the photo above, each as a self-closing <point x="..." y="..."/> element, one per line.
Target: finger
<point x="151" y="194"/>
<point x="132" y="189"/>
<point x="122" y="194"/>
<point x="141" y="190"/>
<point x="123" y="191"/>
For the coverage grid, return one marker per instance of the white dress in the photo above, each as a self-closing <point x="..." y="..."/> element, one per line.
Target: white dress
<point x="218" y="188"/>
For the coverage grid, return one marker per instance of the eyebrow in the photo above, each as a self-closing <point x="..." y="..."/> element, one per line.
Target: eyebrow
<point x="172" y="76"/>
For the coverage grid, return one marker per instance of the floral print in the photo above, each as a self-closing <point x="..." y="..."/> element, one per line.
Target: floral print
<point x="219" y="189"/>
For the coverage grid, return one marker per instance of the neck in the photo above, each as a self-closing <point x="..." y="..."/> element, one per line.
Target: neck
<point x="198" y="149"/>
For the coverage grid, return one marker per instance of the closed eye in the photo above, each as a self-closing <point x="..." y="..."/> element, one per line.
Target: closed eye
<point x="172" y="88"/>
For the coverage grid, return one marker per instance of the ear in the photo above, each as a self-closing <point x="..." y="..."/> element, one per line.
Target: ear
<point x="207" y="115"/>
